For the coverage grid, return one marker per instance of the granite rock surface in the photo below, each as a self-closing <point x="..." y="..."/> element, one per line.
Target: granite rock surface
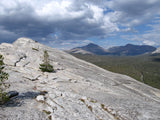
<point x="78" y="90"/>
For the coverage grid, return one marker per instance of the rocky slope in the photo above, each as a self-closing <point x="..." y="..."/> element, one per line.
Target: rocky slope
<point x="76" y="91"/>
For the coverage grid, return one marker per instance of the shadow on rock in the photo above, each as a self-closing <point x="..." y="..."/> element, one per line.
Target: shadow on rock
<point x="19" y="100"/>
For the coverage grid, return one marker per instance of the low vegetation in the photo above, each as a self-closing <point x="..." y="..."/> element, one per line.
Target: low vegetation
<point x="46" y="66"/>
<point x="144" y="68"/>
<point x="3" y="84"/>
<point x="47" y="112"/>
<point x="36" y="49"/>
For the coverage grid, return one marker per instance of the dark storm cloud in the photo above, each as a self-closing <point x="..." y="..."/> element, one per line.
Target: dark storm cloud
<point x="72" y="19"/>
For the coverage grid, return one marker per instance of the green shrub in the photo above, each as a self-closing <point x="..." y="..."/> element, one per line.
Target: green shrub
<point x="35" y="49"/>
<point x="3" y="84"/>
<point x="46" y="67"/>
<point x="3" y="97"/>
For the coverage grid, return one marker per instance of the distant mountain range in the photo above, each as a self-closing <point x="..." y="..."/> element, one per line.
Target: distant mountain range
<point x="127" y="50"/>
<point x="89" y="49"/>
<point x="130" y="50"/>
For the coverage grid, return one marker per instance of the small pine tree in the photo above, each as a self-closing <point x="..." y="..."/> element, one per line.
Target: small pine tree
<point x="3" y="84"/>
<point x="46" y="67"/>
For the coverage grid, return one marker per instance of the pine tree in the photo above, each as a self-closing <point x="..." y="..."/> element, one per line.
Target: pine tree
<point x="46" y="67"/>
<point x="3" y="84"/>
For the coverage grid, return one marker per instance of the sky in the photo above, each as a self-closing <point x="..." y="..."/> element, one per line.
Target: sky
<point x="65" y="24"/>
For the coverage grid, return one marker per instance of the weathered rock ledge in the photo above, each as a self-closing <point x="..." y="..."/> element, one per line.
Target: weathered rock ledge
<point x="76" y="91"/>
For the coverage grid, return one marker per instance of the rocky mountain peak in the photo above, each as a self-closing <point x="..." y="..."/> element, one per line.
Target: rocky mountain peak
<point x="92" y="44"/>
<point x="91" y="48"/>
<point x="24" y="42"/>
<point x="76" y="90"/>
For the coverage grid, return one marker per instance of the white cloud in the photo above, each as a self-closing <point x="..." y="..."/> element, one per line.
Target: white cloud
<point x="58" y="10"/>
<point x="97" y="14"/>
<point x="149" y="37"/>
<point x="147" y="42"/>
